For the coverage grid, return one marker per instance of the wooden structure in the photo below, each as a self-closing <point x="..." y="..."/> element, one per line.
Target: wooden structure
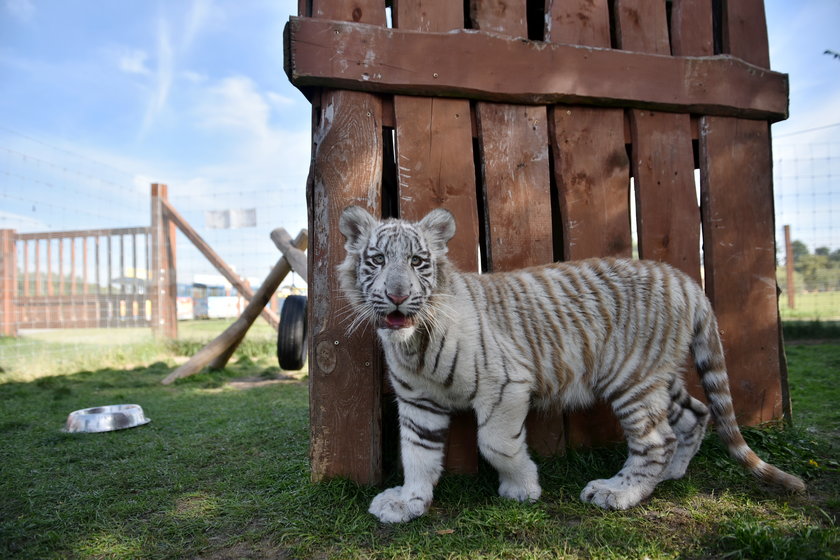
<point x="219" y="350"/>
<point x="74" y="279"/>
<point x="90" y="278"/>
<point x="103" y="277"/>
<point x="527" y="119"/>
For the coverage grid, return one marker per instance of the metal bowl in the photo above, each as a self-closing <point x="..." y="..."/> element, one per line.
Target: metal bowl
<point x="105" y="418"/>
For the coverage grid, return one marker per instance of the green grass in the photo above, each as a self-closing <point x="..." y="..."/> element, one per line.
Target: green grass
<point x="36" y="354"/>
<point x="816" y="306"/>
<point x="222" y="472"/>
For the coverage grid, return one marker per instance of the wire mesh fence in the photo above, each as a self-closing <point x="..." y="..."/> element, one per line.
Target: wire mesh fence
<point x="77" y="265"/>
<point x="807" y="198"/>
<point x="75" y="247"/>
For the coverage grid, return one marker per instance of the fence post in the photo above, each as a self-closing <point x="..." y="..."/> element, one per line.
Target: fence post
<point x="8" y="282"/>
<point x="162" y="273"/>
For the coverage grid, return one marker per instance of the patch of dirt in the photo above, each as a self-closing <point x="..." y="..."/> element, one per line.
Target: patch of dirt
<point x="260" y="381"/>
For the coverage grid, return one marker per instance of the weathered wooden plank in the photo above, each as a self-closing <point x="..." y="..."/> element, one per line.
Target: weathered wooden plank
<point x="428" y="15"/>
<point x="480" y="65"/>
<point x="345" y="373"/>
<point x="691" y="28"/>
<point x="739" y="251"/>
<point x="667" y="217"/>
<point x="592" y="174"/>
<point x="500" y="16"/>
<point x="435" y="168"/>
<point x="667" y="213"/>
<point x="163" y="288"/>
<point x="642" y="26"/>
<point x="513" y="144"/>
<point x="578" y="22"/>
<point x="745" y="31"/>
<point x="513" y="140"/>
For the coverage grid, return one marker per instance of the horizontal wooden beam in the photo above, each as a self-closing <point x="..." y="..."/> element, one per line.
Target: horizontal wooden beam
<point x="485" y="66"/>
<point x="82" y="233"/>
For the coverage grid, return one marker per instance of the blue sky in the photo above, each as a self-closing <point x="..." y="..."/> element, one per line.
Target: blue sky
<point x="192" y="93"/>
<point x="184" y="92"/>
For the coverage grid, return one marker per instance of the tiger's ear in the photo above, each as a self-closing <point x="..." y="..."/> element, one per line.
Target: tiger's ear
<point x="439" y="226"/>
<point x="355" y="224"/>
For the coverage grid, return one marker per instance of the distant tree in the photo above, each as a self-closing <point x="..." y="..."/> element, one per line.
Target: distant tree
<point x="822" y="251"/>
<point x="799" y="250"/>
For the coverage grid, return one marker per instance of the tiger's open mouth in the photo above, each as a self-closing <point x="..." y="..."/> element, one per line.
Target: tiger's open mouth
<point x="396" y="320"/>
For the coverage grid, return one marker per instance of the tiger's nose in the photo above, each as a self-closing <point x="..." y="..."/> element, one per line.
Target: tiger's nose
<point x="396" y="299"/>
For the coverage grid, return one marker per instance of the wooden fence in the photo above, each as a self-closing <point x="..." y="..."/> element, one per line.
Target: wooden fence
<point x="527" y="120"/>
<point x="90" y="278"/>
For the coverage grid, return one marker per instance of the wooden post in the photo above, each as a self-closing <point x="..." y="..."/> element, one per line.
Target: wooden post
<point x="345" y="372"/>
<point x="8" y="283"/>
<point x="789" y="264"/>
<point x="164" y="295"/>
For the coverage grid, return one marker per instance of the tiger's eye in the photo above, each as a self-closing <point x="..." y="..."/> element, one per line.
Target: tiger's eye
<point x="378" y="259"/>
<point x="416" y="261"/>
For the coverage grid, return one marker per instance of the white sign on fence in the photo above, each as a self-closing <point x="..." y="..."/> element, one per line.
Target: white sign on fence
<point x="233" y="218"/>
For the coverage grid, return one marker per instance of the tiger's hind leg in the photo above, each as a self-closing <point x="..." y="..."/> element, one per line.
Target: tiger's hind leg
<point x="688" y="418"/>
<point x="643" y="414"/>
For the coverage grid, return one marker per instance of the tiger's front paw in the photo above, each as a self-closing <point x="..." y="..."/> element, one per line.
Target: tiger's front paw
<point x="528" y="492"/>
<point x="392" y="507"/>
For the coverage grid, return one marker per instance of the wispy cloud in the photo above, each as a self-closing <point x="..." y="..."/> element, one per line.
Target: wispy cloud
<point x="133" y="61"/>
<point x="164" y="71"/>
<point x="235" y="104"/>
<point x="193" y="76"/>
<point x="168" y="53"/>
<point x="197" y="17"/>
<point x="246" y="118"/>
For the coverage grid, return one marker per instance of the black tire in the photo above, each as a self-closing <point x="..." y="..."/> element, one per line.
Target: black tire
<point x="291" y="336"/>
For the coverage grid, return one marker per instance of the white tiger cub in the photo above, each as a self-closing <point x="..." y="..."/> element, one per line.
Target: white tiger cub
<point x="500" y="343"/>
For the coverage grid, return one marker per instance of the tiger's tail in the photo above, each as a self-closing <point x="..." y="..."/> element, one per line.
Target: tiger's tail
<point x="707" y="350"/>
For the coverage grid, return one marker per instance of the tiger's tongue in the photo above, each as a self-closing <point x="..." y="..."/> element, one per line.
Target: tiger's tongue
<point x="397" y="320"/>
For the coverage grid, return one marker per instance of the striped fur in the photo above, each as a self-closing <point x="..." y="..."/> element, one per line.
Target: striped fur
<point x="563" y="333"/>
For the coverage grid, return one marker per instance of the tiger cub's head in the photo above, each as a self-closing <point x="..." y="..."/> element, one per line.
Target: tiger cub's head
<point x="392" y="267"/>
